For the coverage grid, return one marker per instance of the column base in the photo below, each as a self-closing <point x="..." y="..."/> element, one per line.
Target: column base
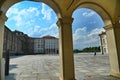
<point x="2" y="69"/>
<point x="66" y="79"/>
<point x="115" y="74"/>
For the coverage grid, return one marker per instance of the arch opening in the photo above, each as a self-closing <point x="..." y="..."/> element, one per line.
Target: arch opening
<point x="23" y="18"/>
<point x="101" y="11"/>
<point x="81" y="39"/>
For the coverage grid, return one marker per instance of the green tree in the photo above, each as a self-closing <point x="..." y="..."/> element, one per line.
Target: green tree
<point x="77" y="51"/>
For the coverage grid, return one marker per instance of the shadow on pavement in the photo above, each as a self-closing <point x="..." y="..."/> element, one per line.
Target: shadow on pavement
<point x="11" y="66"/>
<point x="11" y="76"/>
<point x="12" y="57"/>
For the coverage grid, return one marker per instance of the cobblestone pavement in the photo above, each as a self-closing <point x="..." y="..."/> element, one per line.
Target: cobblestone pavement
<point x="46" y="67"/>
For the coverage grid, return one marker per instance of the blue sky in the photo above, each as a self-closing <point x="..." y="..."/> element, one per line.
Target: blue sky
<point x="37" y="19"/>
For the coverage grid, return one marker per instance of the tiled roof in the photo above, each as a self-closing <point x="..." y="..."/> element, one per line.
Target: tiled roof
<point x="49" y="37"/>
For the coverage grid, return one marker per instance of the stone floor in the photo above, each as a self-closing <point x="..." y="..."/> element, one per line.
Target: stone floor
<point x="46" y="67"/>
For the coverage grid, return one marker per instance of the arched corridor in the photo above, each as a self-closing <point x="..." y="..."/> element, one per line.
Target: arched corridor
<point x="108" y="10"/>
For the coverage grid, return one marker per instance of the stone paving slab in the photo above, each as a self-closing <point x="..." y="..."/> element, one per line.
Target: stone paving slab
<point x="46" y="67"/>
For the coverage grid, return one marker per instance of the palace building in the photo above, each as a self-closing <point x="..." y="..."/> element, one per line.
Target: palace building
<point x="47" y="44"/>
<point x="19" y="43"/>
<point x="103" y="40"/>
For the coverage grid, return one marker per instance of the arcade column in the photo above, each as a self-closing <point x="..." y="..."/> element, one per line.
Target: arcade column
<point x="2" y="61"/>
<point x="113" y="43"/>
<point x="66" y="49"/>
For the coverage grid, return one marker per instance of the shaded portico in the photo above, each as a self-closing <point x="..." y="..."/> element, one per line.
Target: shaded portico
<point x="108" y="10"/>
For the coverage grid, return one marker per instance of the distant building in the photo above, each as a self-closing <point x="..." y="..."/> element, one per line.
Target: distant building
<point x="47" y="44"/>
<point x="103" y="39"/>
<point x="51" y="44"/>
<point x="11" y="42"/>
<point x="19" y="43"/>
<point x="39" y="45"/>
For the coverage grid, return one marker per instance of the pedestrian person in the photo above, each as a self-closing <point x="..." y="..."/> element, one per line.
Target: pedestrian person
<point x="94" y="53"/>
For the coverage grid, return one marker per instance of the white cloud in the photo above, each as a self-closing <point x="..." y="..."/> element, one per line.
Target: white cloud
<point x="33" y="10"/>
<point x="88" y="14"/>
<point x="24" y="12"/>
<point x="82" y="39"/>
<point x="12" y="11"/>
<point x="38" y="31"/>
<point x="46" y="12"/>
<point x="19" y="21"/>
<point x="24" y="16"/>
<point x="79" y="31"/>
<point x="52" y="30"/>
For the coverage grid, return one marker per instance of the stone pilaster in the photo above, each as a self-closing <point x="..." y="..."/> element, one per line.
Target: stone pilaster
<point x="113" y="43"/>
<point x="2" y="62"/>
<point x="66" y="49"/>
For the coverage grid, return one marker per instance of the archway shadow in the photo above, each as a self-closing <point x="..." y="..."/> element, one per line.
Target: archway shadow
<point x="11" y="76"/>
<point x="12" y="66"/>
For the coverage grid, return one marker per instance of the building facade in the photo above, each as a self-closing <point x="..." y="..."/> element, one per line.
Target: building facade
<point x="19" y="43"/>
<point x="39" y="45"/>
<point x="11" y="42"/>
<point x="51" y="45"/>
<point x="47" y="45"/>
<point x="103" y="40"/>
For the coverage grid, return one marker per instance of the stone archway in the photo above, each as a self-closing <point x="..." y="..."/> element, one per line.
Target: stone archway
<point x="112" y="32"/>
<point x="64" y="10"/>
<point x="5" y="6"/>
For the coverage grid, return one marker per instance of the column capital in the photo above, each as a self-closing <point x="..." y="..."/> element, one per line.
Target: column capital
<point x="112" y="26"/>
<point x="108" y="27"/>
<point x="64" y="20"/>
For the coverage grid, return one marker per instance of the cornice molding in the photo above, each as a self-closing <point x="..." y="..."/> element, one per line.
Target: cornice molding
<point x="112" y="26"/>
<point x="108" y="27"/>
<point x="64" y="21"/>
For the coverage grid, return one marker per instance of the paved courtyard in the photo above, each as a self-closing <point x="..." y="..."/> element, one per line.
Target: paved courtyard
<point x="46" y="67"/>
